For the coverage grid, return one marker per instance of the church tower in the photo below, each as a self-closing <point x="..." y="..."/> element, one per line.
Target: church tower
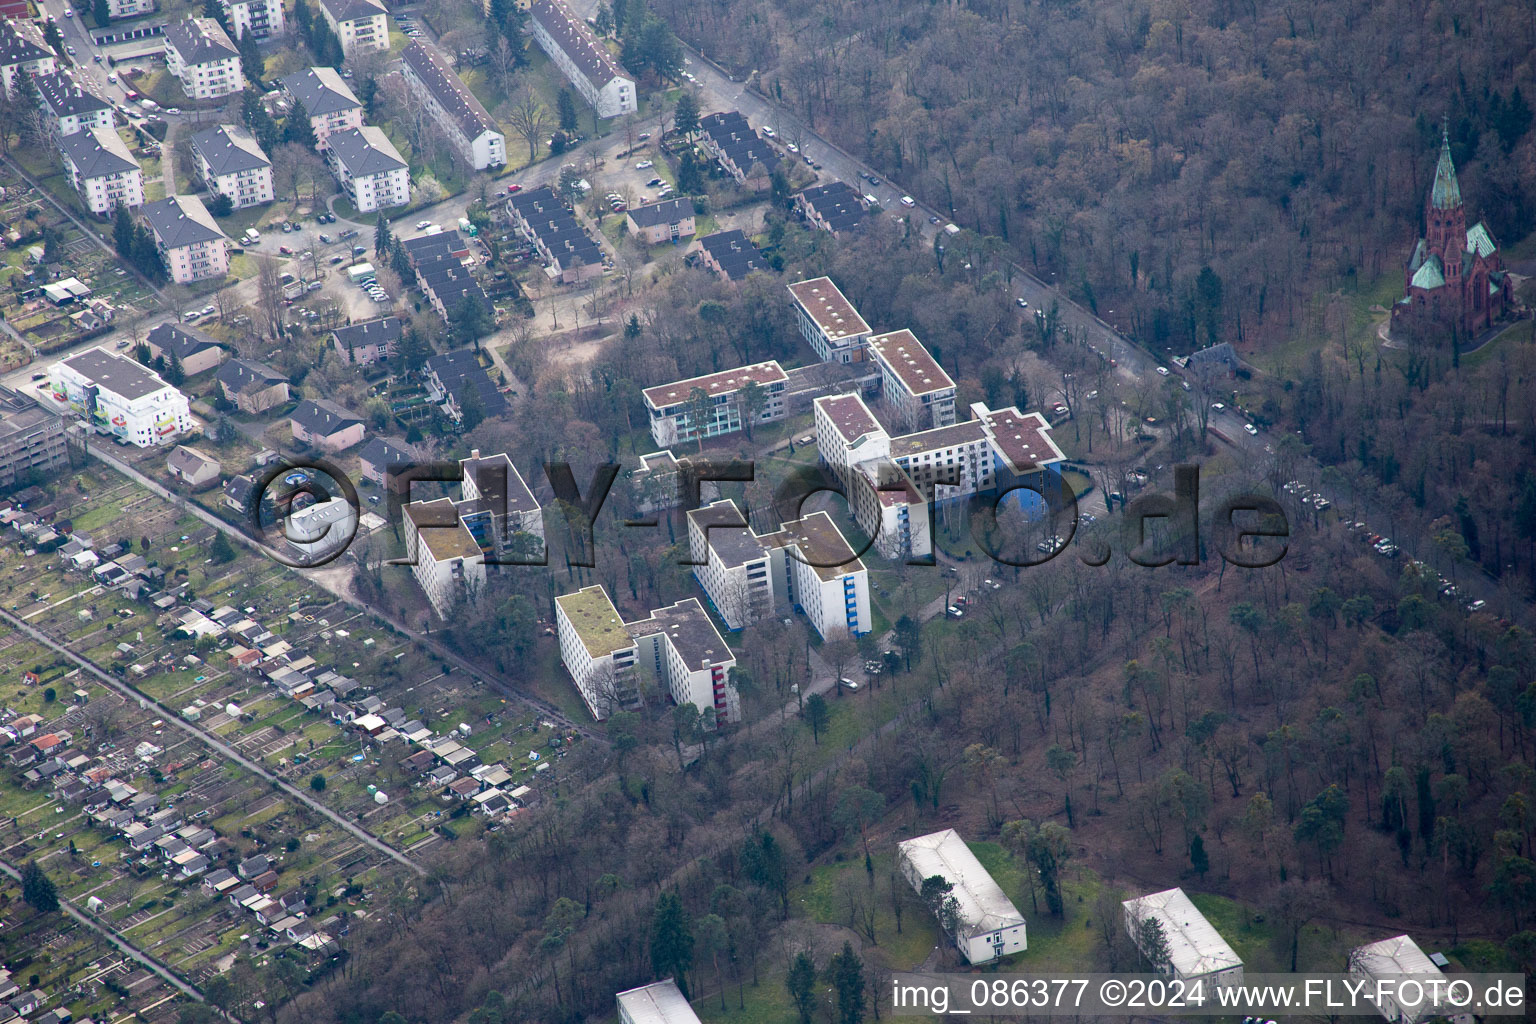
<point x="1445" y="219"/>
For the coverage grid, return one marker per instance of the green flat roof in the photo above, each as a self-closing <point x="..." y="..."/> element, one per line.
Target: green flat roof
<point x="596" y="621"/>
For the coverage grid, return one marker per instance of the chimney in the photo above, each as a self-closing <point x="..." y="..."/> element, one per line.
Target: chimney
<point x="474" y="453"/>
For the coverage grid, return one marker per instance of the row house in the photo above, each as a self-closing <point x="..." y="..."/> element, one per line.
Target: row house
<point x="730" y="255"/>
<point x="542" y="218"/>
<point x="740" y="151"/>
<point x="835" y="207"/>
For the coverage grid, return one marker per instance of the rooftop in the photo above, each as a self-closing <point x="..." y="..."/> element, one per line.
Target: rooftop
<point x="245" y="375"/>
<point x="352" y="10"/>
<point x="668" y="211"/>
<point x="967" y="432"/>
<point x="370" y="332"/>
<point x="734" y="253"/>
<point x="441" y="531"/>
<point x="578" y="41"/>
<point x="21" y="41"/>
<point x="725" y="382"/>
<point x="181" y="220"/>
<point x="199" y="41"/>
<point x="597" y="622"/>
<point x="1023" y="439"/>
<point x="364" y="151"/>
<point x="918" y="371"/>
<point x="98" y="152"/>
<point x="430" y="66"/>
<point x="1194" y="946"/>
<point x="174" y="339"/>
<point x="821" y="545"/>
<point x="19" y="413"/>
<point x="657" y="1003"/>
<point x="1397" y="955"/>
<point x="64" y="95"/>
<point x="323" y="417"/>
<point x="689" y="630"/>
<point x="482" y="469"/>
<point x="825" y="305"/>
<point x="849" y="415"/>
<point x="983" y="906"/>
<point x="387" y="451"/>
<point x="837" y="203"/>
<point x="117" y="374"/>
<point x="321" y="90"/>
<point x="727" y="534"/>
<point x="229" y="149"/>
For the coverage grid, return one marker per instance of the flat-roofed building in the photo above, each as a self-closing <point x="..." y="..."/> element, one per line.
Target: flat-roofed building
<point x="31" y="439"/>
<point x="1196" y="950"/>
<point x="672" y="412"/>
<point x="1389" y="960"/>
<point x="102" y="170"/>
<point x="828" y="322"/>
<point x="200" y="54"/>
<point x="361" y="26"/>
<point x="448" y="563"/>
<point x="117" y="396"/>
<point x="921" y="395"/>
<point x="677" y="647"/>
<point x="329" y="101"/>
<point x="983" y="923"/>
<point x="232" y="163"/>
<point x="582" y="58"/>
<point x="369" y="167"/>
<point x="497" y="505"/>
<point x="657" y="1003"/>
<point x="463" y="119"/>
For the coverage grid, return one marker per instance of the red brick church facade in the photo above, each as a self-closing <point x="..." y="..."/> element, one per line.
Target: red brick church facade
<point x="1455" y="281"/>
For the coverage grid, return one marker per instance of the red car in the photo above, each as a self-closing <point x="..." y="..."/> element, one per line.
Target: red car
<point x="131" y="94"/>
<point x="514" y="188"/>
<point x="285" y="250"/>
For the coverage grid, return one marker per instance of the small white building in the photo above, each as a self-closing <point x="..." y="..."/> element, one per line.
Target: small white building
<point x="987" y="926"/>
<point x="191" y="243"/>
<point x="102" y="170"/>
<point x="465" y="122"/>
<point x="116" y="395"/>
<point x="1392" y="958"/>
<point x="658" y="1003"/>
<point x="319" y="531"/>
<point x="1196" y="950"/>
<point x="828" y="321"/>
<point x="671" y="405"/>
<point x="261" y="18"/>
<point x="582" y="58"/>
<point x="362" y="26"/>
<point x="368" y="166"/>
<point x="331" y="104"/>
<point x="200" y="54"/>
<point x="232" y="163"/>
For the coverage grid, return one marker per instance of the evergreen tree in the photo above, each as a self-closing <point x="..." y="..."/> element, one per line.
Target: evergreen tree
<point x="1153" y="944"/>
<point x="38" y="890"/>
<point x="122" y="232"/>
<point x="1198" y="858"/>
<point x="303" y="18"/>
<point x="252" y="64"/>
<point x="381" y="238"/>
<point x="221" y="205"/>
<point x="53" y="39"/>
<point x="690" y="177"/>
<point x="102" y="12"/>
<point x="471" y="409"/>
<point x="297" y="128"/>
<point x="801" y="982"/>
<point x="368" y="96"/>
<point x="215" y="10"/>
<point x="685" y="116"/>
<point x="780" y="197"/>
<point x="470" y="320"/>
<point x="222" y="551"/>
<point x="604" y="21"/>
<point x="848" y="981"/>
<point x="632" y="327"/>
<point x="671" y="940"/>
<point x="566" y="103"/>
<point x="175" y="373"/>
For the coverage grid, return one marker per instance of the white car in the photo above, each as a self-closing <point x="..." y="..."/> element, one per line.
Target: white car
<point x="1477" y="606"/>
<point x="1253" y="431"/>
<point x="1162" y="371"/>
<point x="768" y="133"/>
<point x="792" y="148"/>
<point x="1217" y="406"/>
<point x="69" y="12"/>
<point x="112" y="77"/>
<point x="908" y="202"/>
<point x="644" y="165"/>
<point x="422" y="225"/>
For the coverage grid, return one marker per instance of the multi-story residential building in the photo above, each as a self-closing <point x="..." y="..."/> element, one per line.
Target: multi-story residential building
<point x="327" y="99"/>
<point x="68" y="107"/>
<point x="326" y="425"/>
<point x="31" y="439"/>
<point x="919" y="392"/>
<point x="117" y="9"/>
<point x="199" y="53"/>
<point x="231" y="162"/>
<point x="670" y="220"/>
<point x="496" y="505"/>
<point x="806" y="564"/>
<point x="362" y="26"/>
<point x="885" y="502"/>
<point x="983" y="923"/>
<point x="102" y="170"/>
<point x="828" y="321"/>
<point x="368" y="166"/>
<point x="730" y="254"/>
<point x="191" y="244"/>
<point x="367" y="342"/>
<point x="253" y="387"/>
<point x="540" y="216"/>
<point x="23" y="51"/>
<point x="672" y="412"/>
<point x="676" y="647"/>
<point x="740" y="151"/>
<point x="835" y="207"/>
<point x="261" y="18"/>
<point x="582" y="58"/>
<point x="455" y="110"/>
<point x="447" y="561"/>
<point x="117" y="396"/>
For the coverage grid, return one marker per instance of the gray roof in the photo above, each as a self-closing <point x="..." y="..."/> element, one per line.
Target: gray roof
<point x="321" y="90"/>
<point x="351" y="10"/>
<point x="372" y="332"/>
<point x="182" y="342"/>
<point x="431" y="66"/>
<point x="229" y="149"/>
<point x="578" y="41"/>
<point x="21" y="41"/>
<point x="319" y="416"/>
<point x="180" y="220"/>
<point x="364" y="151"/>
<point x="385" y="452"/>
<point x="668" y="211"/>
<point x="98" y="152"/>
<point x="734" y="252"/>
<point x="186" y="459"/>
<point x="64" y="95"/>
<point x="199" y="40"/>
<point x="115" y="373"/>
<point x="837" y="203"/>
<point x="247" y="375"/>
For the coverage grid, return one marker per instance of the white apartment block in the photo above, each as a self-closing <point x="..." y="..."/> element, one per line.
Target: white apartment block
<point x="331" y="104"/>
<point x="200" y="54"/>
<point x="986" y="924"/>
<point x="362" y="26"/>
<point x="921" y="395"/>
<point x="828" y="321"/>
<point x="117" y="396"/>
<point x="470" y="129"/>
<point x="191" y="243"/>
<point x="232" y="163"/>
<point x="582" y="58"/>
<point x="70" y="108"/>
<point x="369" y="168"/>
<point x="102" y="170"/>
<point x="806" y="564"/>
<point x="23" y="51"/>
<point x="261" y="18"/>
<point x="671" y="405"/>
<point x="449" y="565"/>
<point x="1196" y="950"/>
<point x="496" y="504"/>
<point x="129" y="8"/>
<point x="676" y="647"/>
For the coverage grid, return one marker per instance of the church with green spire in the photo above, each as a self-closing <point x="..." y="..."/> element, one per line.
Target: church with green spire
<point x="1454" y="283"/>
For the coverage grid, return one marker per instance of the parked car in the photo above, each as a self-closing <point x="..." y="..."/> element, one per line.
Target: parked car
<point x="1162" y="371"/>
<point x="908" y="202"/>
<point x="1217" y="406"/>
<point x="1252" y="430"/>
<point x="422" y="225"/>
<point x="848" y="684"/>
<point x="1477" y="606"/>
<point x="69" y="50"/>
